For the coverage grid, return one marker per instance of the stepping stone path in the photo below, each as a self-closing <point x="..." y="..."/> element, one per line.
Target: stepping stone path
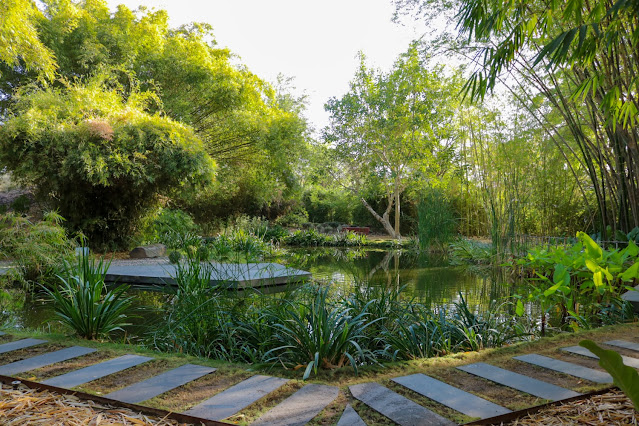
<point x="624" y="344"/>
<point x="450" y="396"/>
<point x="93" y="372"/>
<point x="566" y="368"/>
<point x="20" y="344"/>
<point x="309" y="401"/>
<point x="160" y="384"/>
<point x="579" y="350"/>
<point x="399" y="409"/>
<point x="518" y="381"/>
<point x="236" y="398"/>
<point x="350" y="417"/>
<point x="301" y="407"/>
<point x="43" y="360"/>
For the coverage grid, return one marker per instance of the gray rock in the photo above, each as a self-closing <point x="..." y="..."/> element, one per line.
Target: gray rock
<point x="146" y="252"/>
<point x="451" y="396"/>
<point x="236" y="398"/>
<point x="579" y="350"/>
<point x="299" y="408"/>
<point x="20" y="344"/>
<point x="399" y="409"/>
<point x="43" y="360"/>
<point x="93" y="372"/>
<point x="566" y="368"/>
<point x="518" y="381"/>
<point x="624" y="344"/>
<point x="160" y="384"/>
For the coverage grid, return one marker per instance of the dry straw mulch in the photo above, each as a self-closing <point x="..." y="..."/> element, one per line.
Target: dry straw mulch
<point x="612" y="408"/>
<point x="33" y="407"/>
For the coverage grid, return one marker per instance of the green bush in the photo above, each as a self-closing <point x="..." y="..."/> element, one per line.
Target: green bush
<point x="171" y="227"/>
<point x="83" y="303"/>
<point x="37" y="249"/>
<point x="95" y="154"/>
<point x="315" y="328"/>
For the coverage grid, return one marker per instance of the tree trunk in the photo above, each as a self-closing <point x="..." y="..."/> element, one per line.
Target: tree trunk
<point x="397" y="208"/>
<point x="384" y="220"/>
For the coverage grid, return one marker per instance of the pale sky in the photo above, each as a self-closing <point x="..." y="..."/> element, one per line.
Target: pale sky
<point x="314" y="41"/>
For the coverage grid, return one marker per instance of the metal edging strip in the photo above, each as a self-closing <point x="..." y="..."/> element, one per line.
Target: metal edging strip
<point x="508" y="417"/>
<point x="180" y="417"/>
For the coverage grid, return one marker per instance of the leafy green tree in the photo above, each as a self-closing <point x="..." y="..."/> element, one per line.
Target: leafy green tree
<point x="20" y="46"/>
<point x="581" y="57"/>
<point x="392" y="128"/>
<point x="100" y="159"/>
<point x="243" y="122"/>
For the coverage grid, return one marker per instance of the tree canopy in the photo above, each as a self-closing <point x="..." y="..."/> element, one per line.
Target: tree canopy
<point x="392" y="127"/>
<point x="98" y="156"/>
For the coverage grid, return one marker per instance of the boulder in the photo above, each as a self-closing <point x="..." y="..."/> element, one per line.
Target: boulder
<point x="150" y="251"/>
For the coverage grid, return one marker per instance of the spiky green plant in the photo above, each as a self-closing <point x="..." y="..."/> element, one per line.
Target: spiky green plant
<point x="83" y="302"/>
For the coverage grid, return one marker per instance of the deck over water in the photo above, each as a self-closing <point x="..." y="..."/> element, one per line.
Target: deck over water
<point x="240" y="274"/>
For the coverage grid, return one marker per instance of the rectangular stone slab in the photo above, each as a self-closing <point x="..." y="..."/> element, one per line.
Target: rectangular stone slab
<point x="566" y="367"/>
<point x="450" y="396"/>
<point x="1" y="333"/>
<point x="236" y="398"/>
<point x="160" y="384"/>
<point x="399" y="409"/>
<point x="624" y="344"/>
<point x="93" y="372"/>
<point x="20" y="344"/>
<point x="299" y="408"/>
<point x="518" y="381"/>
<point x="579" y="350"/>
<point x="43" y="360"/>
<point x="350" y="418"/>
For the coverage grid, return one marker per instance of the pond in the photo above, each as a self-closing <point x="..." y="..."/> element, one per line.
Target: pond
<point x="430" y="279"/>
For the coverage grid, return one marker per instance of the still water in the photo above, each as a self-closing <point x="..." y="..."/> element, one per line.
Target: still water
<point x="427" y="278"/>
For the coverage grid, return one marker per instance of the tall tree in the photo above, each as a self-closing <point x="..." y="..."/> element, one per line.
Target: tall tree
<point x="392" y="128"/>
<point x="582" y="57"/>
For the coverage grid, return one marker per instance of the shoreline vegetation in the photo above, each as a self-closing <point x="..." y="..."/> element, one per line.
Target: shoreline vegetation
<point x="443" y="368"/>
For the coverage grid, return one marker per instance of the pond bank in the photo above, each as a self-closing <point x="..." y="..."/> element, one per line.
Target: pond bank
<point x="443" y="369"/>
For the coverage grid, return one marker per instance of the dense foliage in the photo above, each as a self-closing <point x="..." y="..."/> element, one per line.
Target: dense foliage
<point x="319" y="327"/>
<point x="98" y="157"/>
<point x="38" y="250"/>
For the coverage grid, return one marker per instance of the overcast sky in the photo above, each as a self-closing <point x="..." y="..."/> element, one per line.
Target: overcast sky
<point x="314" y="41"/>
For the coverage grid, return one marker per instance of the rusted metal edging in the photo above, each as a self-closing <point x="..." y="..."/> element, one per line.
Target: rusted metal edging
<point x="180" y="417"/>
<point x="508" y="417"/>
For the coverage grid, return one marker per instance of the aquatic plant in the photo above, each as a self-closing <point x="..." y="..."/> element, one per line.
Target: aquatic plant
<point x="83" y="302"/>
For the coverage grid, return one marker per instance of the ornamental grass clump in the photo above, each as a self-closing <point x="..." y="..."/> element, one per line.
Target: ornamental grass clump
<point x="320" y="334"/>
<point x="83" y="303"/>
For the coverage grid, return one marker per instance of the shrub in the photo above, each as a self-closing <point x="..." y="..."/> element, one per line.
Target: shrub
<point x="102" y="157"/>
<point x="37" y="249"/>
<point x="83" y="303"/>
<point x="172" y="227"/>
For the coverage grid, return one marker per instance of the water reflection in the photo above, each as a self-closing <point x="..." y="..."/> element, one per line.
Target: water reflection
<point x="428" y="278"/>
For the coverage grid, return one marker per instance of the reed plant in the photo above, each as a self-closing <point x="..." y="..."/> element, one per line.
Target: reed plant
<point x="84" y="303"/>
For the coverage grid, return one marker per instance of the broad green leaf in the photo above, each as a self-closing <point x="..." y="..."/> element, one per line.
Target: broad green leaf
<point x="632" y="250"/>
<point x="631" y="273"/>
<point x="519" y="309"/>
<point x="626" y="378"/>
<point x="592" y="248"/>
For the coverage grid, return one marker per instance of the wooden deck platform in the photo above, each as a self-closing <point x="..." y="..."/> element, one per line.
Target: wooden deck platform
<point x="235" y="274"/>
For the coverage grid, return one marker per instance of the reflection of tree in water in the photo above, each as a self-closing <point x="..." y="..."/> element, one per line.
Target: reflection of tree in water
<point x="428" y="278"/>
